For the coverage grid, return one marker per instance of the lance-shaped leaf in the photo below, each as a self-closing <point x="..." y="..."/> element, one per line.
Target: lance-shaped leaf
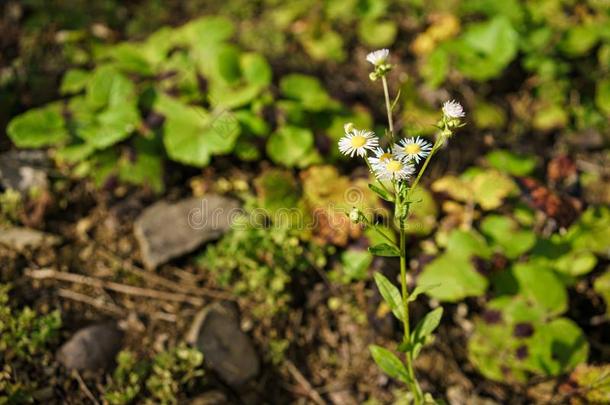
<point x="384" y="249"/>
<point x="390" y="294"/>
<point x="389" y="363"/>
<point x="424" y="328"/>
<point x="383" y="194"/>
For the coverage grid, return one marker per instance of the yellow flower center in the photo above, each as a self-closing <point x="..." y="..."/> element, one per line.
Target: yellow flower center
<point x="358" y="141"/>
<point x="385" y="156"/>
<point x="394" y="166"/>
<point x="413" y="149"/>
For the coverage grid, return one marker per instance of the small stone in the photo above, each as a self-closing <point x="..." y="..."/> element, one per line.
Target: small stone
<point x="227" y="350"/>
<point x="24" y="170"/>
<point x="92" y="348"/>
<point x="20" y="239"/>
<point x="168" y="230"/>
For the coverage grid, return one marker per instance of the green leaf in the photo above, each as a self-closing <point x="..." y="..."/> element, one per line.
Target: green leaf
<point x="542" y="287"/>
<point x="146" y="168"/>
<point x="486" y="48"/>
<point x="192" y="135"/>
<point x="377" y="33"/>
<point x="289" y="145"/>
<point x="384" y="195"/>
<point x="107" y="87"/>
<point x="579" y="39"/>
<point x="601" y="285"/>
<point x="436" y="67"/>
<point x="505" y="232"/>
<point x="384" y="249"/>
<point x="323" y="45"/>
<point x="423" y="213"/>
<point x="308" y="90"/>
<point x="355" y="264"/>
<point x="74" y="81"/>
<point x="389" y="363"/>
<point x="424" y="328"/>
<point x="130" y="57"/>
<point x="390" y="294"/>
<point x="110" y="126"/>
<point x="511" y="163"/>
<point x="205" y="31"/>
<point x="602" y="96"/>
<point x="456" y="275"/>
<point x="568" y="344"/>
<point x="38" y="127"/>
<point x="256" y="69"/>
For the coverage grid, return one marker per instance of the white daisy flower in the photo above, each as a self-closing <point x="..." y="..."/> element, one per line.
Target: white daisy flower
<point x="453" y="109"/>
<point x="357" y="142"/>
<point x="393" y="169"/>
<point x="413" y="149"/>
<point x="380" y="156"/>
<point x="378" y="57"/>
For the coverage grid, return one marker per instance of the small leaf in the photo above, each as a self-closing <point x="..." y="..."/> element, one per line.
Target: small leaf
<point x="420" y="289"/>
<point x="384" y="249"/>
<point x="427" y="325"/>
<point x="38" y="127"/>
<point x="289" y="145"/>
<point x="384" y="195"/>
<point x="389" y="363"/>
<point x="424" y="328"/>
<point x="390" y="294"/>
<point x="74" y="81"/>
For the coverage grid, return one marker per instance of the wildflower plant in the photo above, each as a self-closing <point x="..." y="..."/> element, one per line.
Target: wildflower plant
<point x="398" y="169"/>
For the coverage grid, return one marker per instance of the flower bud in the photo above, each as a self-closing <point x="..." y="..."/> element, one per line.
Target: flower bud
<point x="348" y="127"/>
<point x="355" y="215"/>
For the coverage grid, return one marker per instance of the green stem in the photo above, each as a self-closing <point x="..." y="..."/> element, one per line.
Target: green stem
<point x="388" y="106"/>
<point x="423" y="169"/>
<point x="414" y="385"/>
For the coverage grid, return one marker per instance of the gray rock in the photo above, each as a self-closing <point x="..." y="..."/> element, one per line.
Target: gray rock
<point x="92" y="348"/>
<point x="226" y="348"/>
<point x="168" y="230"/>
<point x="20" y="239"/>
<point x="24" y="170"/>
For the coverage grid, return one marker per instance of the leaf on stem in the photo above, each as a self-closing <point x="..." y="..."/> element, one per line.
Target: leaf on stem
<point x="390" y="294"/>
<point x="389" y="363"/>
<point x="383" y="194"/>
<point x="424" y="328"/>
<point x="384" y="249"/>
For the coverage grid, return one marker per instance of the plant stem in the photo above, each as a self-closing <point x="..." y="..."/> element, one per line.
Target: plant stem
<point x="423" y="169"/>
<point x="388" y="106"/>
<point x="414" y="385"/>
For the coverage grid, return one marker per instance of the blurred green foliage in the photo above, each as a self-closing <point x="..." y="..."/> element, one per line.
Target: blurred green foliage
<point x="25" y="341"/>
<point x="160" y="381"/>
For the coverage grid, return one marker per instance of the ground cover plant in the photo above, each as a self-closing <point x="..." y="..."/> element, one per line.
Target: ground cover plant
<point x="429" y="224"/>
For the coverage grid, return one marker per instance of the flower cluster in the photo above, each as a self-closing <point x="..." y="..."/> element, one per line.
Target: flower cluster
<point x="397" y="163"/>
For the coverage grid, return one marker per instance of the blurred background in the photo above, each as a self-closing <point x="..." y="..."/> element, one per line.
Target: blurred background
<point x="126" y="125"/>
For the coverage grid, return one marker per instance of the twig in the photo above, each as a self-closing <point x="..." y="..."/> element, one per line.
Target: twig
<point x="84" y="387"/>
<point x="96" y="303"/>
<point x="121" y="288"/>
<point x="157" y="280"/>
<point x="300" y="378"/>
